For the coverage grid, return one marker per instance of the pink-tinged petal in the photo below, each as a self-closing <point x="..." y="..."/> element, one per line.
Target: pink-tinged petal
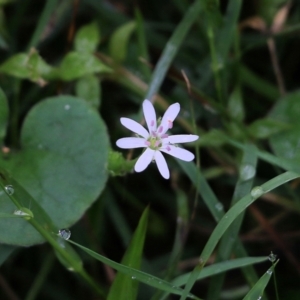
<point x="162" y="165"/>
<point x="169" y="116"/>
<point x="131" y="142"/>
<point x="182" y="138"/>
<point x="150" y="115"/>
<point x="178" y="152"/>
<point x="144" y="160"/>
<point x="135" y="127"/>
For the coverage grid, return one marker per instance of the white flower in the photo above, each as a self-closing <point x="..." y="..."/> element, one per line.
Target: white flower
<point x="156" y="140"/>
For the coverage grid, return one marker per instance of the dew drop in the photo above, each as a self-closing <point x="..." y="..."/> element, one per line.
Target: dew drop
<point x="259" y="298"/>
<point x="247" y="172"/>
<point x="64" y="233"/>
<point x="24" y="212"/>
<point x="67" y="107"/>
<point x="269" y="272"/>
<point x="257" y="191"/>
<point x="272" y="257"/>
<point x="9" y="189"/>
<point x="133" y="277"/>
<point x="219" y="206"/>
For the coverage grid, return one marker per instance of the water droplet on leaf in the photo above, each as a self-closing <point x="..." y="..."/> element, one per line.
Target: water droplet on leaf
<point x="269" y="272"/>
<point x="67" y="107"/>
<point x="9" y="189"/>
<point x="24" y="212"/>
<point x="257" y="191"/>
<point x="272" y="257"/>
<point x="219" y="206"/>
<point x="133" y="277"/>
<point x="247" y="172"/>
<point x="64" y="233"/>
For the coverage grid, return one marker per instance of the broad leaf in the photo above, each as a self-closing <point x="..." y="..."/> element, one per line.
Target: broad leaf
<point x="87" y="38"/>
<point x="119" y="41"/>
<point x="61" y="163"/>
<point x="76" y="65"/>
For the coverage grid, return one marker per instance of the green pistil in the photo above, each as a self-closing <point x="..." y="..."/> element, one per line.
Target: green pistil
<point x="155" y="143"/>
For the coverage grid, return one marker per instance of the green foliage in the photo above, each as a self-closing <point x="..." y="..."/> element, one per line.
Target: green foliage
<point x="28" y="66"/>
<point x="124" y="286"/>
<point x="3" y="114"/>
<point x="286" y="144"/>
<point x="118" y="165"/>
<point x="257" y="291"/>
<point x="139" y="275"/>
<point x="77" y="64"/>
<point x="236" y="108"/>
<point x="70" y="70"/>
<point x="265" y="128"/>
<point x="89" y="89"/>
<point x="61" y="140"/>
<point x="87" y="38"/>
<point x="118" y="45"/>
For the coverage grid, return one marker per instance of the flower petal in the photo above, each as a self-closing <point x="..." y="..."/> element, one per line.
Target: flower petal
<point x="168" y="118"/>
<point x="135" y="127"/>
<point x="162" y="165"/>
<point x="182" y="138"/>
<point x="150" y="115"/>
<point x="131" y="142"/>
<point x="178" y="152"/>
<point x="144" y="160"/>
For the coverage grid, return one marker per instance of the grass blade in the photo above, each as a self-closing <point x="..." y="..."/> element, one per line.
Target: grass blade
<point x="139" y="275"/>
<point x="221" y="267"/>
<point x="172" y="48"/>
<point x="229" y="217"/>
<point x="257" y="291"/>
<point x="124" y="287"/>
<point x="44" y="19"/>
<point x="242" y="188"/>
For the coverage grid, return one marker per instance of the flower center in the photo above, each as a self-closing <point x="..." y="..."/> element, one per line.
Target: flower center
<point x="154" y="142"/>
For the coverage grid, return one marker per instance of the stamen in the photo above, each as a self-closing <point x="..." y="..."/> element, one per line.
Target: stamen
<point x="157" y="143"/>
<point x="153" y="133"/>
<point x="168" y="148"/>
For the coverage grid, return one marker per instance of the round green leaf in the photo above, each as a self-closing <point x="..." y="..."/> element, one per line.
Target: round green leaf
<point x="287" y="143"/>
<point x="62" y="164"/>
